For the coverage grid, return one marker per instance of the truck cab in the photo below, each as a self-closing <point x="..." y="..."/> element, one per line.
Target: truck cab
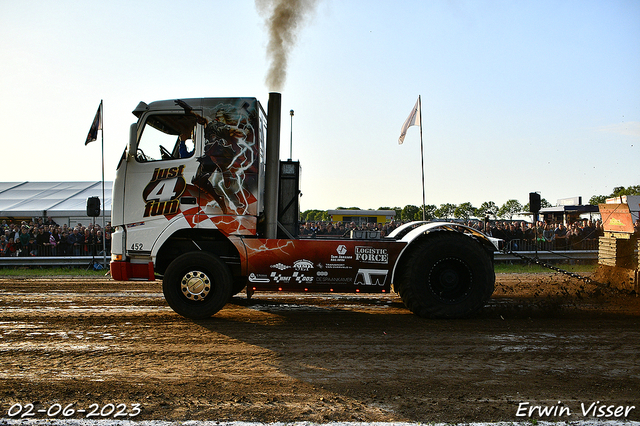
<point x="193" y="170"/>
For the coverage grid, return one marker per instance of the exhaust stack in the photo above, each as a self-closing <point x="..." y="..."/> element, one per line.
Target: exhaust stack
<point x="272" y="164"/>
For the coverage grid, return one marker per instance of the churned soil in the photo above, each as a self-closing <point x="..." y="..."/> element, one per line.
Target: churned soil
<point x="106" y="349"/>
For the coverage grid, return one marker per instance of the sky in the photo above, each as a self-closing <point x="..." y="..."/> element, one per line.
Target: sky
<point x="517" y="96"/>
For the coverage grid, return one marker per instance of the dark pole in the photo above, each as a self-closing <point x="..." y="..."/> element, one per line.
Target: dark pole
<point x="272" y="163"/>
<point x="424" y="201"/>
<point x="291" y="140"/>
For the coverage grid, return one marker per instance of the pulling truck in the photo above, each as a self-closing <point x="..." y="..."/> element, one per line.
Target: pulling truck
<point x="202" y="200"/>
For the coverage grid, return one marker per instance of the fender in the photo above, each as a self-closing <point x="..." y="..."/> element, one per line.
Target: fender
<point x="175" y="224"/>
<point x="410" y="232"/>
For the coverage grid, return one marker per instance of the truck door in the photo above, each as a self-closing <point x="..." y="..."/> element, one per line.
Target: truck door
<point x="162" y="162"/>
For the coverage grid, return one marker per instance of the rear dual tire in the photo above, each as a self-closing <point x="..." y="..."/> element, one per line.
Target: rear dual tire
<point x="447" y="275"/>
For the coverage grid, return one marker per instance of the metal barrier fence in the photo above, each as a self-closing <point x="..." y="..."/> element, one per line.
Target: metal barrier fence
<point x="550" y="256"/>
<point x="88" y="254"/>
<point x="554" y="245"/>
<point x="60" y="249"/>
<point x="54" y="261"/>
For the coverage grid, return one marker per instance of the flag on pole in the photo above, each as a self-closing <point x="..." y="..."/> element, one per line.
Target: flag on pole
<point x="95" y="126"/>
<point x="412" y="120"/>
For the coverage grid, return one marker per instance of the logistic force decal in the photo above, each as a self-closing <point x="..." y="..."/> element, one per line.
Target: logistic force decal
<point x="162" y="193"/>
<point x="372" y="255"/>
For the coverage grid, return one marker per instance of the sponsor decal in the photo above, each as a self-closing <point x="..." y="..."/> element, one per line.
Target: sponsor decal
<point x="298" y="277"/>
<point x="279" y="278"/>
<point x="133" y="225"/>
<point x="333" y="280"/>
<point x="372" y="255"/>
<point x="253" y="278"/>
<point x="371" y="277"/>
<point x="341" y="257"/>
<point x="615" y="222"/>
<point x="280" y="266"/>
<point x="162" y="193"/>
<point x="302" y="265"/>
<point x="302" y="278"/>
<point x="337" y="266"/>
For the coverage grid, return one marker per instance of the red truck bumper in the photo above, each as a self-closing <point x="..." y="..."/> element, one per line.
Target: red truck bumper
<point x="127" y="271"/>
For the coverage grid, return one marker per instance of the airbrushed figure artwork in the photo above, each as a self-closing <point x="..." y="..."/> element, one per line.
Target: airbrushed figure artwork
<point x="227" y="171"/>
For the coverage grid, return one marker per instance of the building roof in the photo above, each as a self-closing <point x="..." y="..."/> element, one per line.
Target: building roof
<point x="52" y="199"/>
<point x="586" y="208"/>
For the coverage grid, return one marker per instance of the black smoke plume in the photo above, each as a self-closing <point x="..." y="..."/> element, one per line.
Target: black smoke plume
<point x="284" y="19"/>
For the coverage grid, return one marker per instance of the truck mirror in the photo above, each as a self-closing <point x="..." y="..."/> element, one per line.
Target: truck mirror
<point x="133" y="141"/>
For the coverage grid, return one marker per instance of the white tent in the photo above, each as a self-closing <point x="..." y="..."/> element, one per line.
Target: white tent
<point x="64" y="202"/>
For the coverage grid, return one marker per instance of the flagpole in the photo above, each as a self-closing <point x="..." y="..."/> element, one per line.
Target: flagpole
<point x="424" y="201"/>
<point x="104" y="207"/>
<point x="412" y="120"/>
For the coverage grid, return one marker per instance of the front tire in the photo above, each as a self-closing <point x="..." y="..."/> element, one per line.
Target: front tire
<point x="447" y="275"/>
<point x="197" y="285"/>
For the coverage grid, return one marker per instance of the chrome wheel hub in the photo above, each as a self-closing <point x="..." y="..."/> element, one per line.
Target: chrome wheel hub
<point x="195" y="285"/>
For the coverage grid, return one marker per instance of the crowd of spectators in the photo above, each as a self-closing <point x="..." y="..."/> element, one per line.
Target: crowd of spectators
<point x="337" y="229"/>
<point x="520" y="235"/>
<point x="44" y="237"/>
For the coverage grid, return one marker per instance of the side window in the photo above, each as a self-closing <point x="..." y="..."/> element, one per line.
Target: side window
<point x="167" y="137"/>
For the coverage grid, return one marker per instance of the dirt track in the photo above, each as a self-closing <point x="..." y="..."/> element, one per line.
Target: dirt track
<point x="544" y="338"/>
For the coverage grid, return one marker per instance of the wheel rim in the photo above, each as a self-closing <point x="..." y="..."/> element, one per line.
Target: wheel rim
<point x="450" y="280"/>
<point x="195" y="285"/>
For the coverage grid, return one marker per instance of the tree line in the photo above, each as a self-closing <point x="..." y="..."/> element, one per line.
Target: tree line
<point x="465" y="211"/>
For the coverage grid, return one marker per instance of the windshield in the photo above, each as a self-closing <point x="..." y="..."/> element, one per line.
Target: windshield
<point x="166" y="136"/>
